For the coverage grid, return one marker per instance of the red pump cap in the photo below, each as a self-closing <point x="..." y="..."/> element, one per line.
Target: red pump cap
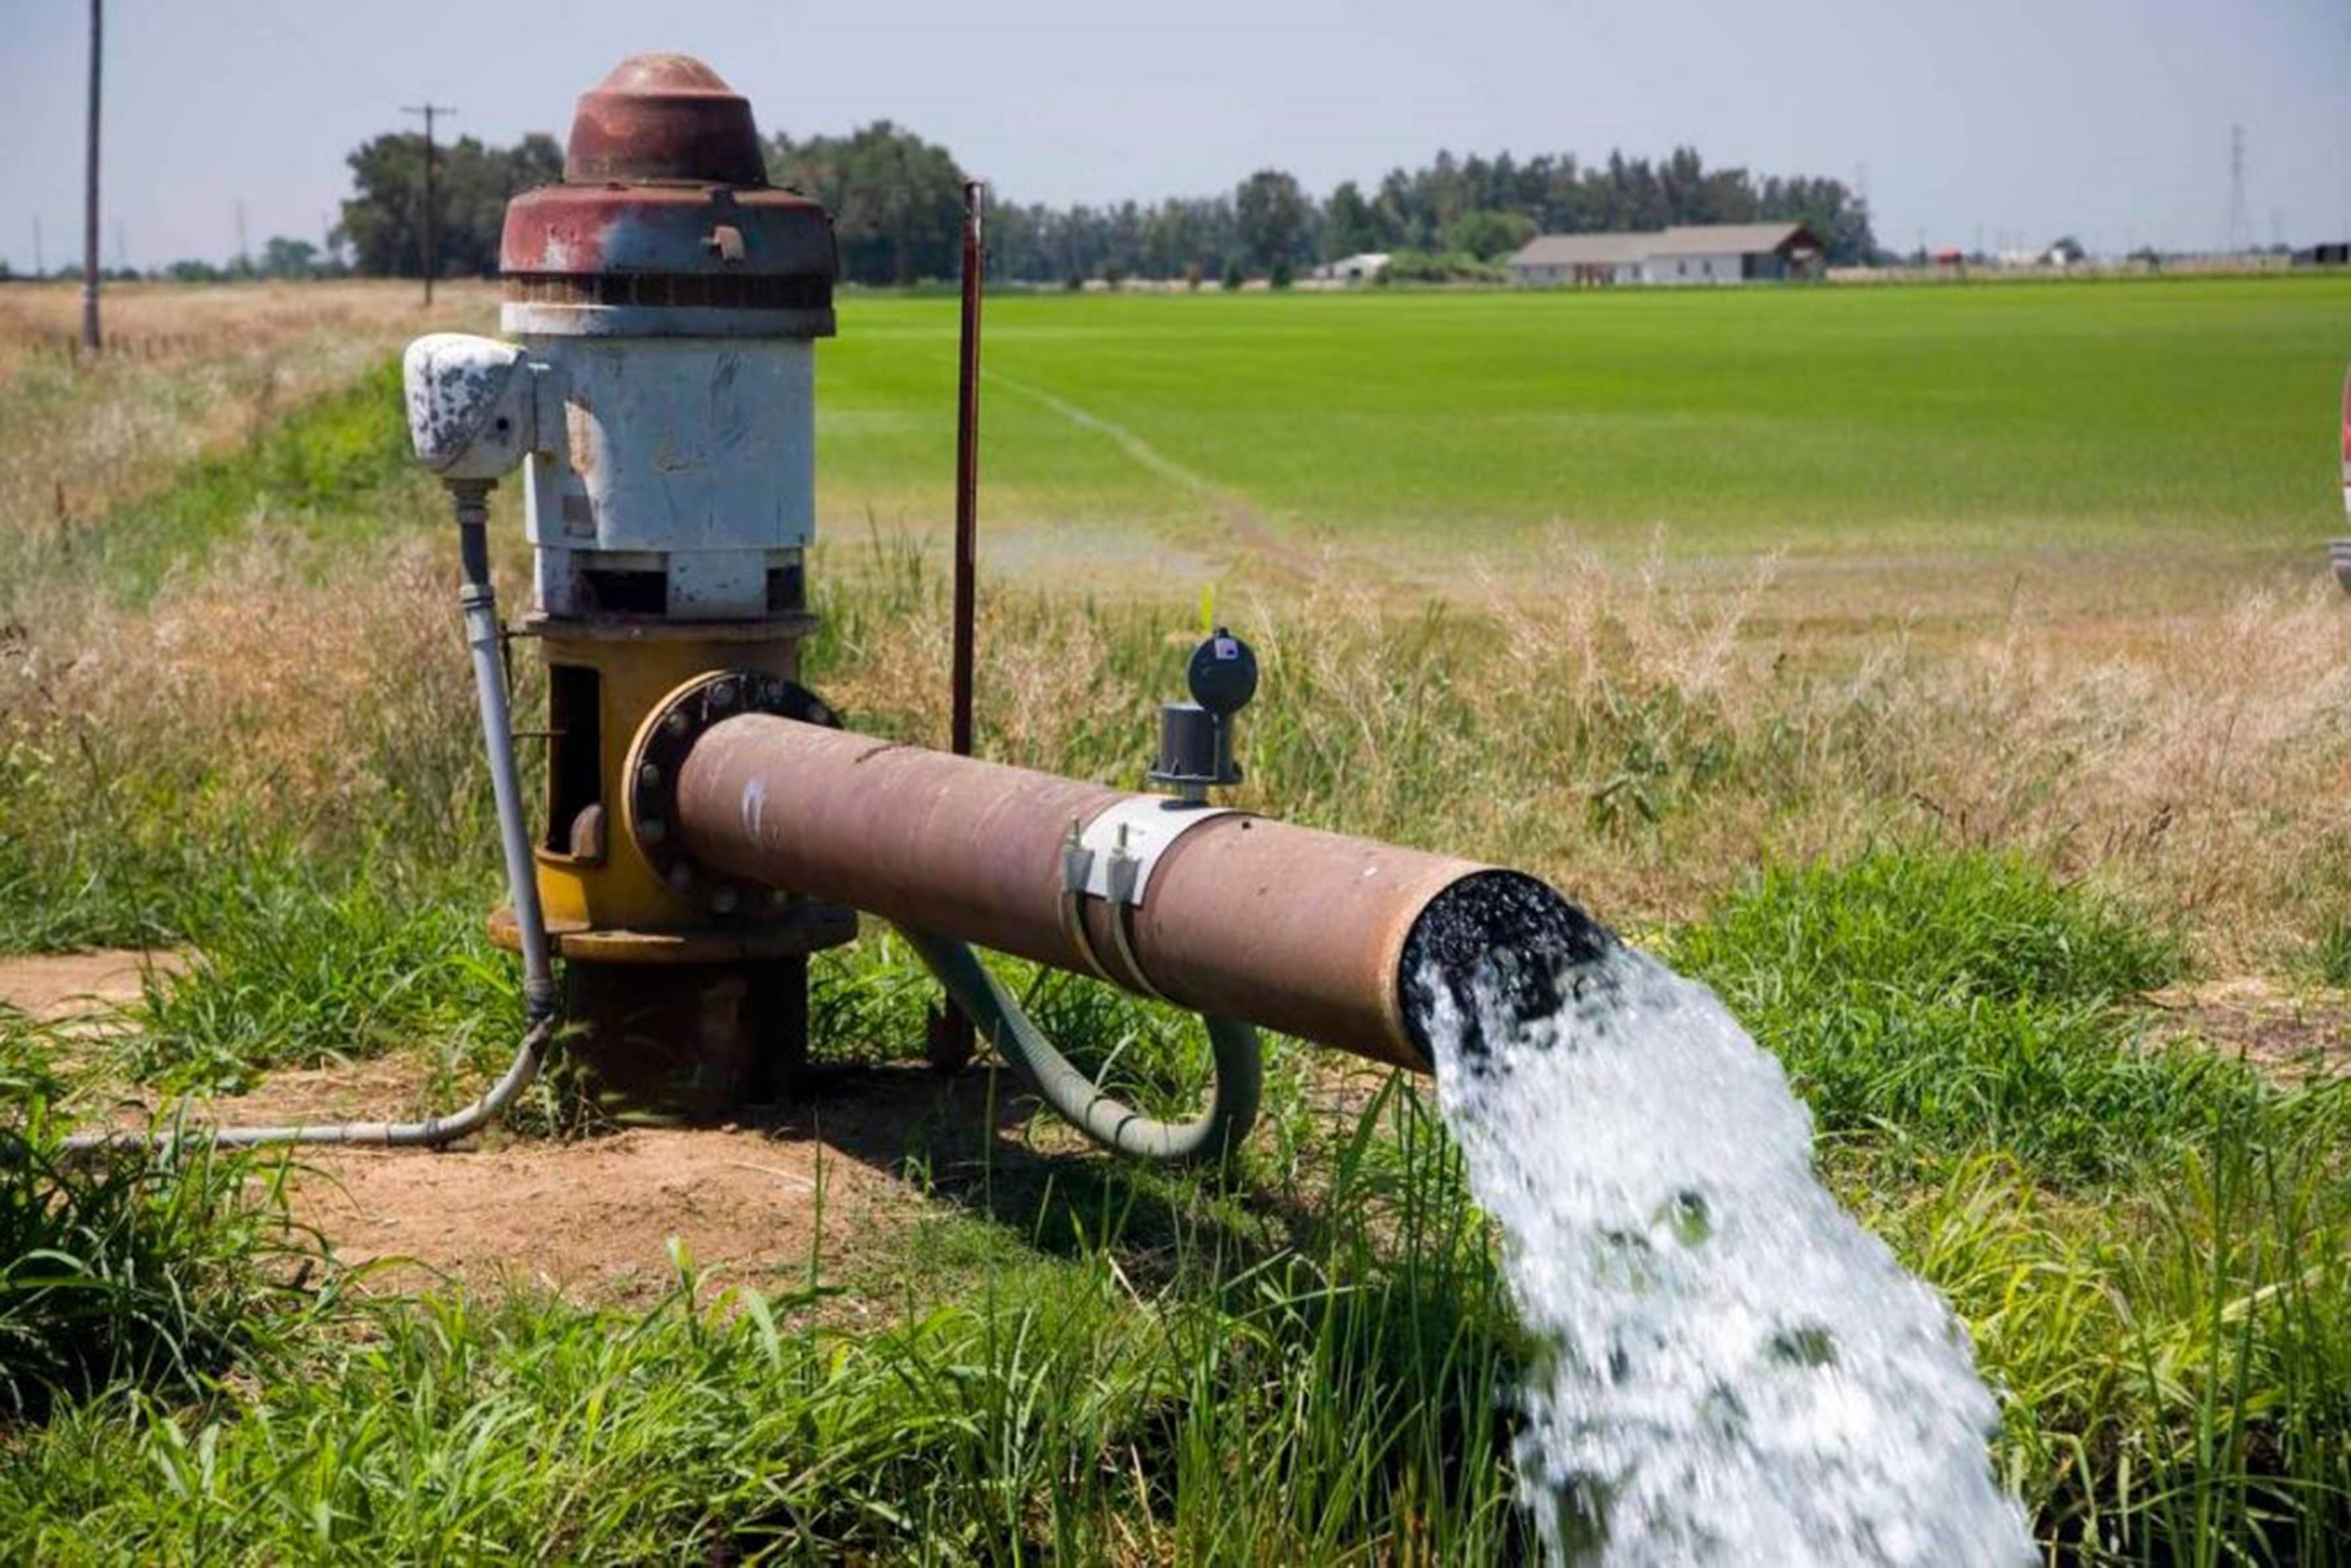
<point x="663" y="116"/>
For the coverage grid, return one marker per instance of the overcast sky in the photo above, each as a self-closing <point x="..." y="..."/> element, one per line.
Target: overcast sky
<point x="2012" y="121"/>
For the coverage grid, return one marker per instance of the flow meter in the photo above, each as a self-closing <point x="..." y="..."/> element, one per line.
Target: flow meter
<point x="1196" y="739"/>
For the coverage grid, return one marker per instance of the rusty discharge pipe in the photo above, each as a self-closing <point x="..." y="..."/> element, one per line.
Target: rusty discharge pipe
<point x="1333" y="939"/>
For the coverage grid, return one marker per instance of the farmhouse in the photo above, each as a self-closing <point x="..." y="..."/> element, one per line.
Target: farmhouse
<point x="1364" y="267"/>
<point x="1700" y="252"/>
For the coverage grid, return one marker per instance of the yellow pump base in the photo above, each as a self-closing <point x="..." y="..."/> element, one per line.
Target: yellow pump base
<point x="676" y="1008"/>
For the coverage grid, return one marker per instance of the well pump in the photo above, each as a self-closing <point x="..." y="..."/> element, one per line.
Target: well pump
<point x="664" y="301"/>
<point x="708" y="822"/>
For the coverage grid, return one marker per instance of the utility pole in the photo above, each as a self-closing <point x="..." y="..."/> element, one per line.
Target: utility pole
<point x="90" y="339"/>
<point x="428" y="109"/>
<point x="40" y="262"/>
<point x="243" y="247"/>
<point x="121" y="248"/>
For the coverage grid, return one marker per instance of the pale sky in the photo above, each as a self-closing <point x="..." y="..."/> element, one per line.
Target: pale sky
<point x="2003" y="121"/>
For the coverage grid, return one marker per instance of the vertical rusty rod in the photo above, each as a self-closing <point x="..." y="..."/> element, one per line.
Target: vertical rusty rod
<point x="953" y="1041"/>
<point x="967" y="535"/>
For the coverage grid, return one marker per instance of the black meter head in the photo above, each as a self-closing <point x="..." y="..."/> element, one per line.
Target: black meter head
<point x="1223" y="674"/>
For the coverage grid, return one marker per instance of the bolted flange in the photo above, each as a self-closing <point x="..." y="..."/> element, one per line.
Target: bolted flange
<point x="658" y="754"/>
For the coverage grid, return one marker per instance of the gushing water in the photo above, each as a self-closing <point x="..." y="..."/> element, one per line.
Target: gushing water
<point x="1736" y="1372"/>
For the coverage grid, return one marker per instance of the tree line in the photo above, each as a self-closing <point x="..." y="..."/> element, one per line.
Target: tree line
<point x="896" y="201"/>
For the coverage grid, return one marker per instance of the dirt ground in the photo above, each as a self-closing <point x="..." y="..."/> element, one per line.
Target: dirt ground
<point x="595" y="1218"/>
<point x="835" y="1181"/>
<point x="56" y="987"/>
<point x="2289" y="1034"/>
<point x="834" y="1184"/>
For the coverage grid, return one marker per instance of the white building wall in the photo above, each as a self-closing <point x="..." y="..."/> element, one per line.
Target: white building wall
<point x="1722" y="267"/>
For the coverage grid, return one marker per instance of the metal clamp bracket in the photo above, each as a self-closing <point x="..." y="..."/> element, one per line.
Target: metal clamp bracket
<point x="1112" y="856"/>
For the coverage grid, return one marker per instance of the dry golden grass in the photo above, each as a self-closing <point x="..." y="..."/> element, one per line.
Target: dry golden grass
<point x="303" y="687"/>
<point x="194" y="370"/>
<point x="1644" y="742"/>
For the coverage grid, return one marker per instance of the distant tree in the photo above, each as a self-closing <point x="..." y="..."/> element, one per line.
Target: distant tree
<point x="1235" y="275"/>
<point x="1274" y="218"/>
<point x="1486" y="234"/>
<point x="383" y="219"/>
<point x="897" y="200"/>
<point x="1351" y="225"/>
<point x="284" y="258"/>
<point x="1282" y="274"/>
<point x="193" y="271"/>
<point x="2067" y="250"/>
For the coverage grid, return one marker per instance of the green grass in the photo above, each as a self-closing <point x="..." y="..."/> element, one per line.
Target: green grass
<point x="1994" y="417"/>
<point x="1289" y="1410"/>
<point x="1961" y="1001"/>
<point x="291" y="970"/>
<point x="132" y="1273"/>
<point x="324" y="471"/>
<point x="2150" y="1249"/>
<point x="1308" y="1362"/>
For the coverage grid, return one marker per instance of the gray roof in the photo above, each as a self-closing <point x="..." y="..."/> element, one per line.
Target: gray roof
<point x="1718" y="239"/>
<point x="1685" y="240"/>
<point x="1583" y="250"/>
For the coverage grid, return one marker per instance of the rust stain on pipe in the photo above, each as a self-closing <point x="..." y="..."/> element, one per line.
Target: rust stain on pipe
<point x="1290" y="928"/>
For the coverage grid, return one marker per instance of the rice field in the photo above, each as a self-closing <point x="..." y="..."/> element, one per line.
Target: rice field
<point x="1950" y="677"/>
<point x="1987" y="420"/>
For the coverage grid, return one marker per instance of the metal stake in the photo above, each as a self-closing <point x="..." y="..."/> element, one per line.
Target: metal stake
<point x="952" y="1041"/>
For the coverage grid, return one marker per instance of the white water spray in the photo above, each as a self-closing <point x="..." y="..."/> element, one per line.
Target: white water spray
<point x="1736" y="1372"/>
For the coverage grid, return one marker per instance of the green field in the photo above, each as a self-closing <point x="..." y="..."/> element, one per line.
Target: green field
<point x="1983" y="418"/>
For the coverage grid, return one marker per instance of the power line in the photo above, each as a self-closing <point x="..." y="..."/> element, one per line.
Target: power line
<point x="428" y="111"/>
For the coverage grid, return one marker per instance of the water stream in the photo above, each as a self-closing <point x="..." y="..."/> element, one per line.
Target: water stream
<point x="1736" y="1372"/>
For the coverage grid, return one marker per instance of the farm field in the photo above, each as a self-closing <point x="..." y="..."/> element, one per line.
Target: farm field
<point x="1979" y="429"/>
<point x="1950" y="677"/>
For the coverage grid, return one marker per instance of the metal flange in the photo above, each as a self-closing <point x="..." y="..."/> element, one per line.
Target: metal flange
<point x="658" y="754"/>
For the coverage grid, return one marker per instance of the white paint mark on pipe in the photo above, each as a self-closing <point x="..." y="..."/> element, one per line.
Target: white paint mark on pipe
<point x="755" y="807"/>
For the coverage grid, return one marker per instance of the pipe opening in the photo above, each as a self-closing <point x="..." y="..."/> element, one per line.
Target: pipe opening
<point x="1503" y="933"/>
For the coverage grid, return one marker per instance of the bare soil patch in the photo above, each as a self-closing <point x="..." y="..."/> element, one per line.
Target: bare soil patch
<point x="823" y="1184"/>
<point x="51" y="988"/>
<point x="2289" y="1033"/>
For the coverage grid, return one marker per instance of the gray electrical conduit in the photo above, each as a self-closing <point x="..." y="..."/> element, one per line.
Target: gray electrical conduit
<point x="1212" y="1136"/>
<point x="482" y="636"/>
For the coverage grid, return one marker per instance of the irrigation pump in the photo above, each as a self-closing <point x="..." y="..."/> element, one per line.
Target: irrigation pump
<point x="708" y="822"/>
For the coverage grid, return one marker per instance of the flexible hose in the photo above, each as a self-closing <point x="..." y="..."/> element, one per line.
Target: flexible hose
<point x="1215" y="1135"/>
<point x="482" y="637"/>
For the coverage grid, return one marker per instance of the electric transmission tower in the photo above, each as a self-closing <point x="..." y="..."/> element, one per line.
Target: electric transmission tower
<point x="2240" y="221"/>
